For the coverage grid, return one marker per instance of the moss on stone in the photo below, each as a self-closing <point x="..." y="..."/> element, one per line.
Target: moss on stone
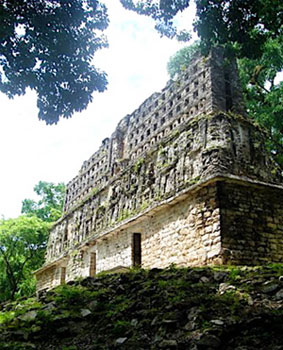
<point x="227" y="307"/>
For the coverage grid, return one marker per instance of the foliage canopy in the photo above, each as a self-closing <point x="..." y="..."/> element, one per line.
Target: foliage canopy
<point x="22" y="247"/>
<point x="49" y="207"/>
<point x="181" y="60"/>
<point x="263" y="93"/>
<point x="48" y="46"/>
<point x="241" y="25"/>
<point x="23" y="240"/>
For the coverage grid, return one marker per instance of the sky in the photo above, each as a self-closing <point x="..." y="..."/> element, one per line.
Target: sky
<point x="31" y="151"/>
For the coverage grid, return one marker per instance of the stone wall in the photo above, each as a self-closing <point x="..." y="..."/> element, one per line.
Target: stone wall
<point x="186" y="231"/>
<point x="182" y="233"/>
<point x="180" y="171"/>
<point x="78" y="262"/>
<point x="114" y="251"/>
<point x="252" y="223"/>
<point x="206" y="146"/>
<point x="208" y="85"/>
<point x="222" y="221"/>
<point x="48" y="279"/>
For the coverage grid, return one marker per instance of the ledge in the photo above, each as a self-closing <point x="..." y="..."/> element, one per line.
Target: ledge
<point x="180" y="196"/>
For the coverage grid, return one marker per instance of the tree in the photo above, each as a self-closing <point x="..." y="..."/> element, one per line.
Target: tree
<point x="181" y="60"/>
<point x="243" y="26"/>
<point x="22" y="247"/>
<point x="23" y="240"/>
<point x="49" y="207"/>
<point x="48" y="46"/>
<point x="264" y="95"/>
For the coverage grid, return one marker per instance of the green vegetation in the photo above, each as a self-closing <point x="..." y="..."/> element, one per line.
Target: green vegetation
<point x="211" y="307"/>
<point x="181" y="60"/>
<point x="243" y="26"/>
<point x="193" y="181"/>
<point x="125" y="214"/>
<point x="48" y="46"/>
<point x="138" y="164"/>
<point x="22" y="246"/>
<point x="49" y="207"/>
<point x="145" y="204"/>
<point x="263" y="93"/>
<point x="23" y="240"/>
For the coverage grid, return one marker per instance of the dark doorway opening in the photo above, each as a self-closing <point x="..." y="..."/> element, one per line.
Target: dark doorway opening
<point x="92" y="265"/>
<point x="136" y="252"/>
<point x="63" y="275"/>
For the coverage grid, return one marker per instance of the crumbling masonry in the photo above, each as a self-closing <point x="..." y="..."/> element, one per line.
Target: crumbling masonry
<point x="185" y="179"/>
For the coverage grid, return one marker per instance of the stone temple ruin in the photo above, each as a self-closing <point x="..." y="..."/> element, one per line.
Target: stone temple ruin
<point x="184" y="179"/>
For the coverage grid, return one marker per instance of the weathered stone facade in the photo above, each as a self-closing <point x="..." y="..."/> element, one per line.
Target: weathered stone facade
<point x="184" y="179"/>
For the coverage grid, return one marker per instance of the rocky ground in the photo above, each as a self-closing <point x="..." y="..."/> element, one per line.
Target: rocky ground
<point x="221" y="308"/>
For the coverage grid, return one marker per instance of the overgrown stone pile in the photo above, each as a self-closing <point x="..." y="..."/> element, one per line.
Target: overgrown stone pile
<point x="194" y="308"/>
